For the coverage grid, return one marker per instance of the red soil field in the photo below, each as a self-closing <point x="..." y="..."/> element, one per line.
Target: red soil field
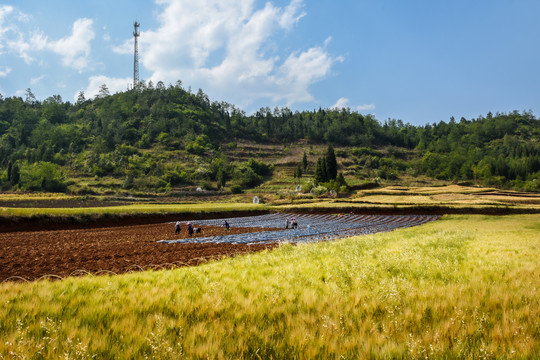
<point x="31" y="255"/>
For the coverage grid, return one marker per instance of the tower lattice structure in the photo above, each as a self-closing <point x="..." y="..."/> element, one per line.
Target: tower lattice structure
<point x="136" y="35"/>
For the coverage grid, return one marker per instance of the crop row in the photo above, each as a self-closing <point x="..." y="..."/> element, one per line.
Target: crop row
<point x="311" y="227"/>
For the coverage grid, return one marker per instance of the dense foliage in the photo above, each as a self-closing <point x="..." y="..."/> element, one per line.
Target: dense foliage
<point x="125" y="136"/>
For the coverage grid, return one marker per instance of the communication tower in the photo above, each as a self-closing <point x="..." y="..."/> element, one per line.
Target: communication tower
<point x="136" y="55"/>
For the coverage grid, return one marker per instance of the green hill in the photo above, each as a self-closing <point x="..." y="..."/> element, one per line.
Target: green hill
<point x="159" y="139"/>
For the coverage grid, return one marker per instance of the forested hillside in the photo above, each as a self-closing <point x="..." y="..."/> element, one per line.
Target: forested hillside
<point x="156" y="138"/>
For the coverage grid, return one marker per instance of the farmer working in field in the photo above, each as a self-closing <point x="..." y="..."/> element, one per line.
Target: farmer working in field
<point x="177" y="229"/>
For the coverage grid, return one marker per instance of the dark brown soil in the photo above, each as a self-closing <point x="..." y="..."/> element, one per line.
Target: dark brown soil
<point x="30" y="255"/>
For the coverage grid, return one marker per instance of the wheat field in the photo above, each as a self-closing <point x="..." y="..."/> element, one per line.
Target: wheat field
<point x="463" y="287"/>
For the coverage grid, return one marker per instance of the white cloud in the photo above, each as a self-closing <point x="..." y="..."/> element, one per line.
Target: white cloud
<point x="304" y="69"/>
<point x="4" y="71"/>
<point x="5" y="10"/>
<point x="11" y="37"/>
<point x="291" y="16"/>
<point x="113" y="84"/>
<point x="365" y="107"/>
<point x="343" y="103"/>
<point x="36" y="80"/>
<point x="228" y="48"/>
<point x="75" y="49"/>
<point x="21" y="47"/>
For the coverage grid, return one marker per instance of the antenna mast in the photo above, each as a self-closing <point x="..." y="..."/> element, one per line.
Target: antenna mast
<point x="136" y="55"/>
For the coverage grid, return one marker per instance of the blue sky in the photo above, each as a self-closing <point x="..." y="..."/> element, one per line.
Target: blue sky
<point x="421" y="61"/>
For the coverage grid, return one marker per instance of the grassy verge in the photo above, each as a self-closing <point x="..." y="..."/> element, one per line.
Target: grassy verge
<point x="395" y="208"/>
<point x="439" y="200"/>
<point x="135" y="209"/>
<point x="462" y="287"/>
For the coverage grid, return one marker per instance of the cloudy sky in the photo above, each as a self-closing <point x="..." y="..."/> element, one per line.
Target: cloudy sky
<point x="420" y="61"/>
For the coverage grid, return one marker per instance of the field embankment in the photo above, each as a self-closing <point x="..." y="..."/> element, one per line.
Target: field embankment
<point x="428" y="200"/>
<point x="32" y="218"/>
<point x="462" y="287"/>
<point x="58" y="211"/>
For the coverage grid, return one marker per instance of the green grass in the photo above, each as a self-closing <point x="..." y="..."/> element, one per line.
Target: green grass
<point x="463" y="287"/>
<point x="451" y="198"/>
<point x="36" y="196"/>
<point x="133" y="209"/>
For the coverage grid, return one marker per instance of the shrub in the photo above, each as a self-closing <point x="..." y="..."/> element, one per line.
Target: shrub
<point x="319" y="190"/>
<point x="194" y="148"/>
<point x="42" y="176"/>
<point x="85" y="190"/>
<point x="308" y="185"/>
<point x="341" y="153"/>
<point x="175" y="178"/>
<point x="148" y="183"/>
<point x="207" y="185"/>
<point x="236" y="189"/>
<point x="260" y="168"/>
<point x="363" y="151"/>
<point x="246" y="177"/>
<point x="128" y="182"/>
<point x="200" y="145"/>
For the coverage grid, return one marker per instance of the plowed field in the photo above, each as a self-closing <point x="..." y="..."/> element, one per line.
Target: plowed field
<point x="30" y="255"/>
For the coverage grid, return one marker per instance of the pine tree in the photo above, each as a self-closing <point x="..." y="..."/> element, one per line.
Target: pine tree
<point x="341" y="180"/>
<point x="15" y="174"/>
<point x="298" y="172"/>
<point x="321" y="175"/>
<point x="331" y="163"/>
<point x="304" y="161"/>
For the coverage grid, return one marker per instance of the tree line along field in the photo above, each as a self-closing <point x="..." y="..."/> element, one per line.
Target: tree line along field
<point x="167" y="139"/>
<point x="465" y="286"/>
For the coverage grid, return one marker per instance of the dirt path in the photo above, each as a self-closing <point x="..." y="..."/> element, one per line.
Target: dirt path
<point x="30" y="255"/>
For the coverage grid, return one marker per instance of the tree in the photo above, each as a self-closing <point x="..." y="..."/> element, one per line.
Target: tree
<point x="321" y="174"/>
<point x="54" y="110"/>
<point x="221" y="178"/>
<point x="304" y="161"/>
<point x="30" y="97"/>
<point x="103" y="92"/>
<point x="341" y="180"/>
<point x="80" y="98"/>
<point x="298" y="172"/>
<point x="14" y="174"/>
<point x="331" y="163"/>
<point x="326" y="168"/>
